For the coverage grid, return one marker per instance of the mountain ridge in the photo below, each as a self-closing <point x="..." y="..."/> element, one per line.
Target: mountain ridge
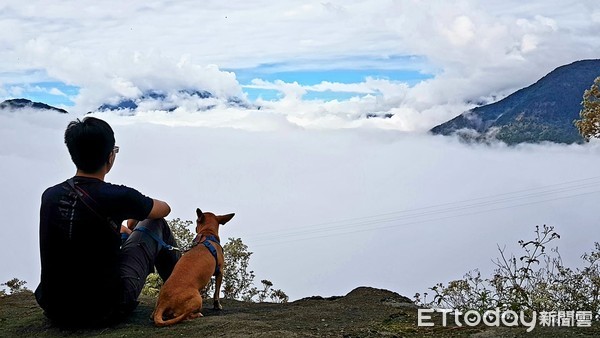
<point x="170" y="100"/>
<point x="19" y="104"/>
<point x="543" y="111"/>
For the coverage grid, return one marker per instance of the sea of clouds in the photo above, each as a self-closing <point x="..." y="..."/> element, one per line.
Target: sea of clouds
<point x="326" y="198"/>
<point x="323" y="210"/>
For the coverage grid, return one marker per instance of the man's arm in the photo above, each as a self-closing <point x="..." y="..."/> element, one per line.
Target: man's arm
<point x="160" y="209"/>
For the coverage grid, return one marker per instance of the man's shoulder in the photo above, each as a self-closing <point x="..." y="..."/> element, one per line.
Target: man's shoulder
<point x="120" y="192"/>
<point x="96" y="185"/>
<point x="117" y="188"/>
<point x="121" y="196"/>
<point x="54" y="190"/>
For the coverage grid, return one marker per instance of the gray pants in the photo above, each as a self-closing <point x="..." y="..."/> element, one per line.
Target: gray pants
<point x="140" y="253"/>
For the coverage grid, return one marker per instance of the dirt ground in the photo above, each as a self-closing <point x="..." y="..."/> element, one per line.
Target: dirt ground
<point x="364" y="312"/>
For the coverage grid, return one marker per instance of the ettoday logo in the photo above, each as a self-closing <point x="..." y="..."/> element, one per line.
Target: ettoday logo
<point x="508" y="318"/>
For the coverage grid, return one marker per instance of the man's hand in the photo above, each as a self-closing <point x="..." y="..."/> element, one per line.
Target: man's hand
<point x="125" y="230"/>
<point x="131" y="223"/>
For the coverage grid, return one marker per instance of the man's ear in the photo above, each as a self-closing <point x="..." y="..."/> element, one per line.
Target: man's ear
<point x="110" y="162"/>
<point x="225" y="218"/>
<point x="200" y="215"/>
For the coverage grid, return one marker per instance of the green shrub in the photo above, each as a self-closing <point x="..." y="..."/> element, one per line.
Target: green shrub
<point x="535" y="281"/>
<point x="14" y="286"/>
<point x="238" y="281"/>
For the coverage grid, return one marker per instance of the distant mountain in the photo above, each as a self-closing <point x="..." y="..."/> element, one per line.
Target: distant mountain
<point x="169" y="101"/>
<point x="17" y="104"/>
<point x="541" y="112"/>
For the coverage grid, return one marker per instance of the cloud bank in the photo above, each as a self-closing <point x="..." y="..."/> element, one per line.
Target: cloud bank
<point x="473" y="52"/>
<point x="323" y="210"/>
<point x="322" y="192"/>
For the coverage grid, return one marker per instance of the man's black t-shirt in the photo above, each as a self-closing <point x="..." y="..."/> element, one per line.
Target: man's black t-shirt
<point x="80" y="251"/>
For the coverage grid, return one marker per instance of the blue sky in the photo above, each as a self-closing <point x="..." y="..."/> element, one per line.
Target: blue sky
<point x="43" y="92"/>
<point x="51" y="92"/>
<point x="307" y="78"/>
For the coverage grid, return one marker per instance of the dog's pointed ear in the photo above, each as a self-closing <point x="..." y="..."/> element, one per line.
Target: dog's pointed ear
<point x="200" y="214"/>
<point x="225" y="218"/>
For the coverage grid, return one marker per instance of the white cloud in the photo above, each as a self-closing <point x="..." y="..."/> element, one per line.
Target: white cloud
<point x="370" y="85"/>
<point x="291" y="91"/>
<point x="461" y="32"/>
<point x="125" y="88"/>
<point x="282" y="162"/>
<point x="56" y="91"/>
<point x="480" y="49"/>
<point x="16" y="90"/>
<point x="298" y="191"/>
<point x="373" y="97"/>
<point x="528" y="43"/>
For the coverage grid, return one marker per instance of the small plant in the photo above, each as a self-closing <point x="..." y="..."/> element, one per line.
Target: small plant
<point x="182" y="233"/>
<point x="14" y="286"/>
<point x="152" y="286"/>
<point x="278" y="296"/>
<point x="266" y="291"/>
<point x="518" y="283"/>
<point x="237" y="279"/>
<point x="589" y="124"/>
<point x="535" y="281"/>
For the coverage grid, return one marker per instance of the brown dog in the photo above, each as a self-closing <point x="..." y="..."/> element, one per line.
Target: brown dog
<point x="179" y="297"/>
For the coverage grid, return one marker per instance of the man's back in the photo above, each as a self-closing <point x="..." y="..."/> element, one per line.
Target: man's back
<point x="80" y="251"/>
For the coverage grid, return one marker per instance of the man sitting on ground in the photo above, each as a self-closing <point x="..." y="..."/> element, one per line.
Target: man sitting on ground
<point x="89" y="276"/>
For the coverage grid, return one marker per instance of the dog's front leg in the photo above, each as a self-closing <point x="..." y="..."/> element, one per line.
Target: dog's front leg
<point x="218" y="279"/>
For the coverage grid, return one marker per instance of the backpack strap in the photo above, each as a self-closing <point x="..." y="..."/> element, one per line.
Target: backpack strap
<point x="91" y="204"/>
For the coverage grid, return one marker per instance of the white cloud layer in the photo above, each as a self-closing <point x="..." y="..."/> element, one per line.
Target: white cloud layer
<point x="297" y="168"/>
<point x="323" y="211"/>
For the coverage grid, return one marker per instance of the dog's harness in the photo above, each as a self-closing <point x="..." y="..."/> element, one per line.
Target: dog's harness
<point x="207" y="243"/>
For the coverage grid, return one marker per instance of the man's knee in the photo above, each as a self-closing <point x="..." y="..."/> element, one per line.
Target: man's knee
<point x="156" y="225"/>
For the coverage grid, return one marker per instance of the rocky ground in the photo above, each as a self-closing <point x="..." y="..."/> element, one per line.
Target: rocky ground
<point x="364" y="312"/>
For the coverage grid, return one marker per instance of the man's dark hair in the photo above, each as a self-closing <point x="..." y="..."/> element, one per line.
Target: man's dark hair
<point x="90" y="143"/>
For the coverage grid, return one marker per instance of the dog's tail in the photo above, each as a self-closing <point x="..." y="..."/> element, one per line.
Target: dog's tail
<point x="158" y="318"/>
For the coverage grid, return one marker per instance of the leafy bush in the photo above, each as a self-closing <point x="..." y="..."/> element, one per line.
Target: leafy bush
<point x="238" y="281"/>
<point x="276" y="296"/>
<point x="14" y="286"/>
<point x="589" y="124"/>
<point x="152" y="285"/>
<point x="182" y="233"/>
<point x="536" y="281"/>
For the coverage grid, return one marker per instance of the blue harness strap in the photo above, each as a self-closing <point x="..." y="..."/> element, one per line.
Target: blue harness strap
<point x="155" y="237"/>
<point x="211" y="248"/>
